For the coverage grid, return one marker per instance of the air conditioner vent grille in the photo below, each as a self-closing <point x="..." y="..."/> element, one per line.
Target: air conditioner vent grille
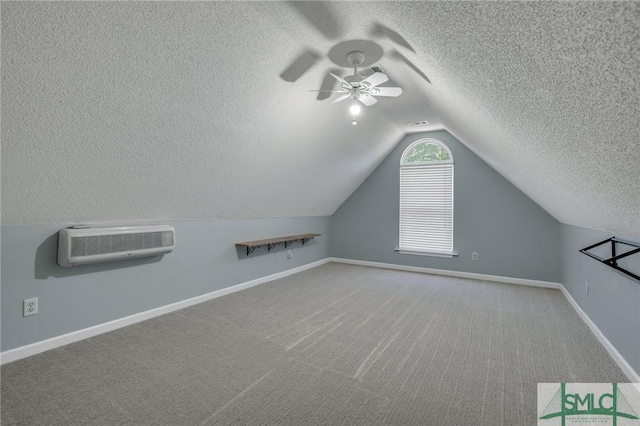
<point x="89" y="245"/>
<point x="117" y="243"/>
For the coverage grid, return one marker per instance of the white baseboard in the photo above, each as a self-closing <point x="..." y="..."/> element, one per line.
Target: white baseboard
<point x="626" y="368"/>
<point x="448" y="273"/>
<point x="65" y="339"/>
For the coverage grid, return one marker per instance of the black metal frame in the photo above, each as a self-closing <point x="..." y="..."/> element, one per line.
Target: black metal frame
<point x="613" y="260"/>
<point x="271" y="246"/>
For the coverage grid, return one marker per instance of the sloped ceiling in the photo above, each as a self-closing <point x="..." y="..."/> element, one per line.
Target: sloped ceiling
<point x="160" y="110"/>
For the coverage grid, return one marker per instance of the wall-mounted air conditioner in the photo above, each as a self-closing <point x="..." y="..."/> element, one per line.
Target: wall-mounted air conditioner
<point x="82" y="245"/>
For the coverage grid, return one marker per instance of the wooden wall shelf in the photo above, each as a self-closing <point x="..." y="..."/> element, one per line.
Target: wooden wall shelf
<point x="273" y="242"/>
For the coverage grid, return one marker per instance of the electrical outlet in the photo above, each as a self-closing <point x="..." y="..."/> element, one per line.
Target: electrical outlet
<point x="289" y="254"/>
<point x="474" y="255"/>
<point x="278" y="256"/>
<point x="586" y="287"/>
<point x="29" y="307"/>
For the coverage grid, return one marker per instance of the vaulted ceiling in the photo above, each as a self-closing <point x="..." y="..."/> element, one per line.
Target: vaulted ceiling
<point x="116" y="111"/>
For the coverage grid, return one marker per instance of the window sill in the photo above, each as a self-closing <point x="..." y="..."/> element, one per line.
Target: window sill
<point x="416" y="252"/>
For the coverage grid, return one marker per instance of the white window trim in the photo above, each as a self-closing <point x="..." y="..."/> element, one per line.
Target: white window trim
<point x="419" y="142"/>
<point x="430" y="163"/>
<point x="432" y="253"/>
<point x="403" y="164"/>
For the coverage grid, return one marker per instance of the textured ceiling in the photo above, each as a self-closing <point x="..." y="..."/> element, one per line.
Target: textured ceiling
<point x="161" y="110"/>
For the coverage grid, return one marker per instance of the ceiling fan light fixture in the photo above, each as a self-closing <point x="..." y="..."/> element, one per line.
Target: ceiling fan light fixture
<point x="362" y="87"/>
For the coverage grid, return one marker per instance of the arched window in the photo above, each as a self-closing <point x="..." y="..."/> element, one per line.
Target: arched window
<point x="426" y="198"/>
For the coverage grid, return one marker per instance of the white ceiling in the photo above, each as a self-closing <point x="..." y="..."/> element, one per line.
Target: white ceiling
<point x="160" y="110"/>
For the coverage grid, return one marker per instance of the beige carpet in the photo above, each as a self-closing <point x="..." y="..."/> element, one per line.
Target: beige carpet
<point x="337" y="344"/>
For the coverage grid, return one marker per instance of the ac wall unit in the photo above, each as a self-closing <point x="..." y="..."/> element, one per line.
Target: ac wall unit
<point x="82" y="245"/>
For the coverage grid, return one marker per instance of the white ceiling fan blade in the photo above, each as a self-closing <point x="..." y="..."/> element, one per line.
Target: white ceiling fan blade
<point x="367" y="99"/>
<point x="335" y="91"/>
<point x="341" y="80"/>
<point x="341" y="98"/>
<point x="328" y="83"/>
<point x="375" y="79"/>
<point x="386" y="91"/>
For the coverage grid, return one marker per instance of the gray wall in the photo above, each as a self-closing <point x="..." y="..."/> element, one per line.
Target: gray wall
<point x="613" y="302"/>
<point x="513" y="236"/>
<point x="205" y="260"/>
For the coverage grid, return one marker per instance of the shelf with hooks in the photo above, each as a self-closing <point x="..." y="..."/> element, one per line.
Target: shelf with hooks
<point x="613" y="260"/>
<point x="271" y="243"/>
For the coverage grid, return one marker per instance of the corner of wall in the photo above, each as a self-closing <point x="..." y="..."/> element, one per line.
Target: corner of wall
<point x="610" y="300"/>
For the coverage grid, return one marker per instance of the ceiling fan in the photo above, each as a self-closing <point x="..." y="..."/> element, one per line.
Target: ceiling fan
<point x="359" y="88"/>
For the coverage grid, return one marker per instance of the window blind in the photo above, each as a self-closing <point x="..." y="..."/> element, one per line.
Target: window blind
<point x="426" y="207"/>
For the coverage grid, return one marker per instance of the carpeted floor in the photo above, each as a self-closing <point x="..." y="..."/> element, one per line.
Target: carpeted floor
<point x="337" y="344"/>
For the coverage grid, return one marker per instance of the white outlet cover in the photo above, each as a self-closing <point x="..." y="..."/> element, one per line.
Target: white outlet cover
<point x="30" y="307"/>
